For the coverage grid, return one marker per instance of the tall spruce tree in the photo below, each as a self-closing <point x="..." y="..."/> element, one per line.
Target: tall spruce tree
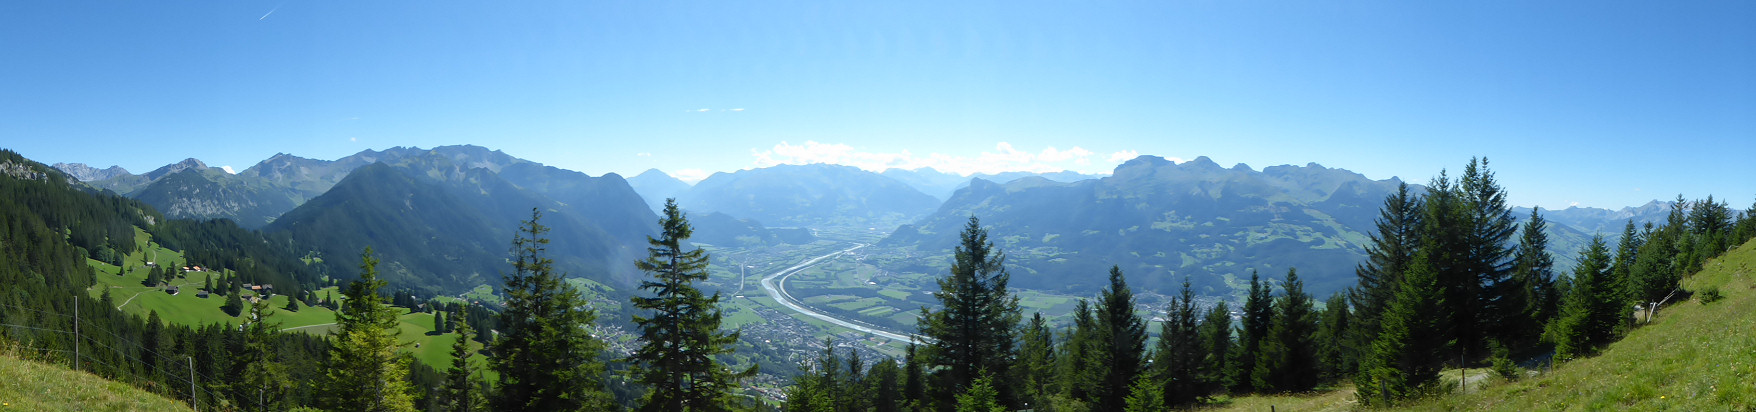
<point x="1335" y="359"/>
<point x="1533" y="271"/>
<point x="680" y="327"/>
<point x="266" y="383"/>
<point x="1178" y="357"/>
<point x="462" y="387"/>
<point x="1122" y="334"/>
<point x="1253" y="328"/>
<point x="367" y="370"/>
<point x="1216" y="346"/>
<point x="1080" y="374"/>
<point x="973" y="333"/>
<point x="1413" y="344"/>
<point x="1592" y="312"/>
<point x="1037" y="353"/>
<point x="1287" y="361"/>
<point x="1501" y="301"/>
<point x="914" y="379"/>
<point x="546" y="358"/>
<point x="1388" y="255"/>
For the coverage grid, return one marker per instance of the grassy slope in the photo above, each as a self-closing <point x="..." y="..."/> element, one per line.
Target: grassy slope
<point x="1692" y="357"/>
<point x="43" y="387"/>
<point x="187" y="309"/>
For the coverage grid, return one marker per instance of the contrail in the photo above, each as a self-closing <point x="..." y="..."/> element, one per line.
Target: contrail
<point x="271" y="11"/>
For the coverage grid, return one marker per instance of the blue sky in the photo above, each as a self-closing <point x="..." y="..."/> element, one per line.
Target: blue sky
<point x="1604" y="104"/>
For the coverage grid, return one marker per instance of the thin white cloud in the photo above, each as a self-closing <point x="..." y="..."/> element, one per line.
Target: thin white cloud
<point x="643" y="154"/>
<point x="690" y="176"/>
<point x="1124" y="156"/>
<point x="1004" y="158"/>
<point x="736" y="110"/>
<point x="703" y="110"/>
<point x="353" y="139"/>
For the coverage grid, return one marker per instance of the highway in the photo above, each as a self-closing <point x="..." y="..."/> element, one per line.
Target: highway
<point x="774" y="284"/>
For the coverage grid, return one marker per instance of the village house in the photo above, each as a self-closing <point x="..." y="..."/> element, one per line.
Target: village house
<point x="172" y="290"/>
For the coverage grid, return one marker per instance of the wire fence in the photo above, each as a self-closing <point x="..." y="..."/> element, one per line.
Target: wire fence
<point x="84" y="329"/>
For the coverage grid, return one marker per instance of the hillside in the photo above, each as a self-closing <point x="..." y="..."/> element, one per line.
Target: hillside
<point x="206" y="193"/>
<point x="36" y="386"/>
<point x="441" y="226"/>
<point x="1694" y="356"/>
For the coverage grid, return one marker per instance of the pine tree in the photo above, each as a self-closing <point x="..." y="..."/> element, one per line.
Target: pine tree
<point x="980" y="397"/>
<point x="914" y="381"/>
<point x="1258" y="317"/>
<point x="1144" y="395"/>
<point x="1037" y="354"/>
<point x="266" y="382"/>
<point x="1405" y="359"/>
<point x="1388" y="255"/>
<point x="1501" y="301"/>
<point x="974" y="332"/>
<point x="882" y="385"/>
<point x="1081" y="374"/>
<point x="1122" y="334"/>
<point x="1178" y="357"/>
<point x="680" y="327"/>
<point x="234" y="305"/>
<point x="1287" y="361"/>
<point x="1335" y="359"/>
<point x="1216" y="345"/>
<point x="292" y="305"/>
<point x="546" y="358"/>
<point x="439" y="322"/>
<point x="1533" y="271"/>
<point x="462" y="393"/>
<point x="1592" y="312"/>
<point x="367" y="371"/>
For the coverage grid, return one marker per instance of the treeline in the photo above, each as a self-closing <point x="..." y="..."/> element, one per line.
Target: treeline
<point x="1451" y="279"/>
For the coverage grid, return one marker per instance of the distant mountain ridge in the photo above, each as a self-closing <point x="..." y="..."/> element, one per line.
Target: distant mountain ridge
<point x="655" y="186"/>
<point x="941" y="185"/>
<point x="442" y="221"/>
<point x="809" y="195"/>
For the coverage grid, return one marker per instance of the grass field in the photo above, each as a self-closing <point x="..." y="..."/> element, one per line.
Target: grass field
<point x="34" y="386"/>
<point x="1693" y="357"/>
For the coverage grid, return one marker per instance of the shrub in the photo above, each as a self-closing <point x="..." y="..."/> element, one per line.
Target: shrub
<point x="1711" y="295"/>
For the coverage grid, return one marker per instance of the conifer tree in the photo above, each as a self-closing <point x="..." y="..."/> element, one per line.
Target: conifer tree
<point x="1122" y="334"/>
<point x="1178" y="356"/>
<point x="1037" y="353"/>
<point x="1414" y="341"/>
<point x="1216" y="346"/>
<point x="1388" y="255"/>
<point x="981" y="397"/>
<point x="462" y="387"/>
<point x="367" y="371"/>
<point x="1335" y="360"/>
<point x="1080" y="372"/>
<point x="1287" y="361"/>
<point x="914" y="381"/>
<point x="974" y="332"/>
<point x="266" y="383"/>
<point x="680" y="327"/>
<point x="1533" y="270"/>
<point x="1592" y="312"/>
<point x="546" y="358"/>
<point x="1258" y="317"/>
<point x="234" y="305"/>
<point x="439" y="322"/>
<point x="883" y="386"/>
<point x="1501" y="301"/>
<point x="1144" y="395"/>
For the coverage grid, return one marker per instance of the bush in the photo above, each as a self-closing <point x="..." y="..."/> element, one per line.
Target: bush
<point x="1711" y="295"/>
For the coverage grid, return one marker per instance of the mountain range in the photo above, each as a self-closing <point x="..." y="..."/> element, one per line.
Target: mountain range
<point x="1162" y="222"/>
<point x="809" y="195"/>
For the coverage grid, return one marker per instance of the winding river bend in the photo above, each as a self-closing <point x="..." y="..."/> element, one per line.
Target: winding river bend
<point x="774" y="284"/>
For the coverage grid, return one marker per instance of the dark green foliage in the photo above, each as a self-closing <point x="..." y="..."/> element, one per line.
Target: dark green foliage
<point x="1037" y="356"/>
<point x="980" y="397"/>
<point x="1502" y="300"/>
<point x="1388" y="255"/>
<point x="264" y="382"/>
<point x="1179" y="357"/>
<point x="680" y="328"/>
<point x="1258" y="317"/>
<point x="1500" y="359"/>
<point x="463" y="389"/>
<point x="1144" y="396"/>
<point x="1406" y="357"/>
<point x="1533" y="271"/>
<point x="1079" y="377"/>
<point x="1335" y="358"/>
<point x="234" y="304"/>
<point x="914" y="382"/>
<point x="292" y="305"/>
<point x="1216" y="346"/>
<point x="974" y="332"/>
<point x="1287" y="359"/>
<point x="1592" y="312"/>
<point x="546" y="358"/>
<point x="1711" y="295"/>
<point x="1121" y="334"/>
